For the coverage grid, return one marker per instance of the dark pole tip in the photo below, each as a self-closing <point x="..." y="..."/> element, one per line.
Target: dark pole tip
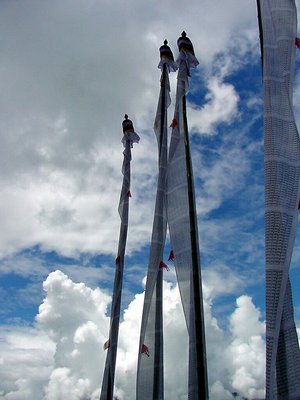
<point x="183" y="34"/>
<point x="126" y="116"/>
<point x="165" y="51"/>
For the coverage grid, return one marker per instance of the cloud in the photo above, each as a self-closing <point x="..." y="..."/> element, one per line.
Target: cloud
<point x="62" y="385"/>
<point x="214" y="278"/>
<point x="74" y="317"/>
<point x="220" y="106"/>
<point x="247" y="349"/>
<point x="26" y="362"/>
<point x="69" y="71"/>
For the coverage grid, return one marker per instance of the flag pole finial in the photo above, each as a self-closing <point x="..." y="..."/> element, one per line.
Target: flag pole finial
<point x="127" y="125"/>
<point x="128" y="132"/>
<point x="165" y="51"/>
<point x="184" y="43"/>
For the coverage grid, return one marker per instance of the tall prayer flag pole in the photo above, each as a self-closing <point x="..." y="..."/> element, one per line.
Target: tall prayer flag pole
<point x="150" y="385"/>
<point x="278" y="26"/>
<point x="182" y="220"/>
<point x="129" y="138"/>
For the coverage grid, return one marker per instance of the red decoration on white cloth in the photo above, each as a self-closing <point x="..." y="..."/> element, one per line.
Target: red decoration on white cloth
<point x="174" y="123"/>
<point x="171" y="256"/>
<point x="162" y="265"/>
<point x="145" y="350"/>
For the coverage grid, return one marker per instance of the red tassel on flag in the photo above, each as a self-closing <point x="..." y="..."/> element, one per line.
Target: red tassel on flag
<point x="106" y="345"/>
<point x="145" y="350"/>
<point x="171" y="256"/>
<point x="297" y="42"/>
<point x="128" y="193"/>
<point x="174" y="123"/>
<point x="118" y="260"/>
<point x="162" y="265"/>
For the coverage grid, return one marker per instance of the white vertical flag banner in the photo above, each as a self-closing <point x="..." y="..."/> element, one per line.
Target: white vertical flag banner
<point x="111" y="344"/>
<point x="278" y="24"/>
<point x="150" y="383"/>
<point x="182" y="221"/>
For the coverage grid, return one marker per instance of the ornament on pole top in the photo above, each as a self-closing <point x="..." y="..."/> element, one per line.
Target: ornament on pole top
<point x="129" y="134"/>
<point x="165" y="51"/>
<point x="186" y="53"/>
<point x="166" y="58"/>
<point x="127" y="125"/>
<point x="184" y="43"/>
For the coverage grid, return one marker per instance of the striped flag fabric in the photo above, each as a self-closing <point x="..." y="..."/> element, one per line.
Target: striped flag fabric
<point x="278" y="25"/>
<point x="182" y="221"/>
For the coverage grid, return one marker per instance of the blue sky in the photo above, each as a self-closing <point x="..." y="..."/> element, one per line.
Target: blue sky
<point x="69" y="72"/>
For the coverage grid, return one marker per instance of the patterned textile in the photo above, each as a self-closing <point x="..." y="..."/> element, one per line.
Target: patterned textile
<point x="150" y="358"/>
<point x="182" y="221"/>
<point x="282" y="171"/>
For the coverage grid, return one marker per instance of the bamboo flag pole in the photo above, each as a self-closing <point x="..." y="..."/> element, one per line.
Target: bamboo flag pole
<point x="150" y="379"/>
<point x="182" y="220"/>
<point x="158" y="379"/>
<point x="197" y="300"/>
<point x="261" y="35"/>
<point x="129" y="138"/>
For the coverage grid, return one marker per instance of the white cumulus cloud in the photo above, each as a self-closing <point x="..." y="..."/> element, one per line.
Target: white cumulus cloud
<point x="247" y="349"/>
<point x="70" y="362"/>
<point x="220" y="106"/>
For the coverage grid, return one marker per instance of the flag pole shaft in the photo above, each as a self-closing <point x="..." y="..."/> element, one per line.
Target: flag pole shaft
<point x="110" y="363"/>
<point x="261" y="37"/>
<point x="158" y="348"/>
<point x="196" y="277"/>
<point x="162" y="109"/>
